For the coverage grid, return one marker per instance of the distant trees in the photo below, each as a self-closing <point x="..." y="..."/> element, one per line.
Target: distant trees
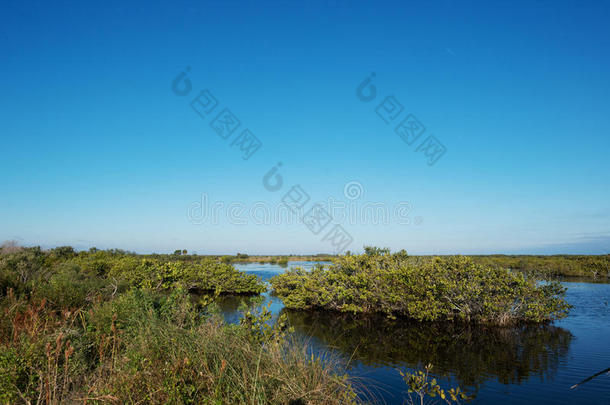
<point x="10" y="246"/>
<point x="374" y="251"/>
<point x="551" y="266"/>
<point x="63" y="252"/>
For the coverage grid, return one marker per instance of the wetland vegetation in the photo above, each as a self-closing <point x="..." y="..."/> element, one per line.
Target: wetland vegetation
<point x="116" y="327"/>
<point x="596" y="266"/>
<point x="450" y="288"/>
<point x="112" y="327"/>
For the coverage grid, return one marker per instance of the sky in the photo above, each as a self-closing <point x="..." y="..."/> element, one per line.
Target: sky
<point x="114" y="134"/>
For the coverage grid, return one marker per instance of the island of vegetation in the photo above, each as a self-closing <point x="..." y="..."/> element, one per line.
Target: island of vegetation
<point x="450" y="288"/>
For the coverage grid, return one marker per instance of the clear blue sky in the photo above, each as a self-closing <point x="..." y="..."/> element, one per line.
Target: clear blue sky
<point x="96" y="149"/>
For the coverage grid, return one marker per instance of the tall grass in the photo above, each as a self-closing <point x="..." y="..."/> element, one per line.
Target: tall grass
<point x="80" y="328"/>
<point x="142" y="347"/>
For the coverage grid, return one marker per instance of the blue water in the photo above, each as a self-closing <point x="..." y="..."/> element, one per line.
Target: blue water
<point x="523" y="365"/>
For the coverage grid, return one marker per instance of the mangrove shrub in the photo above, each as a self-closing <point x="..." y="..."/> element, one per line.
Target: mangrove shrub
<point x="454" y="288"/>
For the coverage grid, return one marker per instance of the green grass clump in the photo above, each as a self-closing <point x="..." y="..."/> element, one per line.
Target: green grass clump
<point x="454" y="288"/>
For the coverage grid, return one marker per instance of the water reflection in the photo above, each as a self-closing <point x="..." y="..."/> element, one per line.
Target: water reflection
<point x="471" y="354"/>
<point x="525" y="365"/>
<point x="230" y="306"/>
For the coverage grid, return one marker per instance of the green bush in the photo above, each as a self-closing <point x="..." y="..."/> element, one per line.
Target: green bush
<point x="68" y="286"/>
<point x="205" y="275"/>
<point x="453" y="288"/>
<point x="226" y="259"/>
<point x="20" y="268"/>
<point x="14" y="375"/>
<point x="67" y="278"/>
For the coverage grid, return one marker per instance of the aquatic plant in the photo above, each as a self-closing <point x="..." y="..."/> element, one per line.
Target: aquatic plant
<point x="421" y="385"/>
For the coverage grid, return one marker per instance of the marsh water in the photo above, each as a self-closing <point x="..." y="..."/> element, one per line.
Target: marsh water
<point x="518" y="365"/>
